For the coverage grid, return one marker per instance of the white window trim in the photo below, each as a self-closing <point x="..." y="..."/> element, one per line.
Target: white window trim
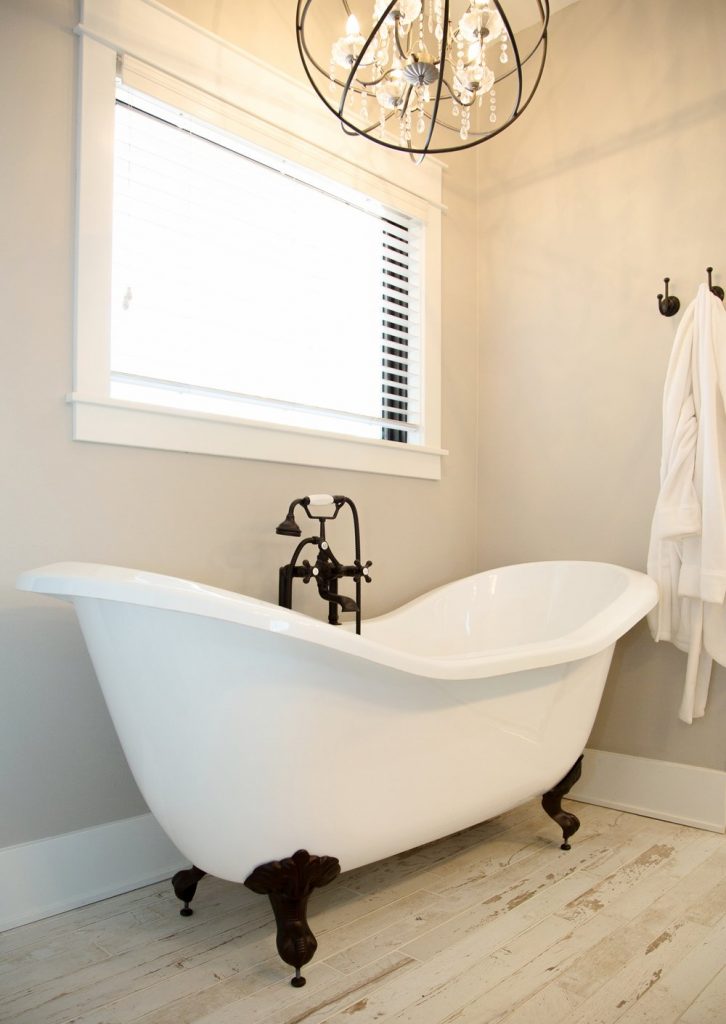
<point x="191" y="61"/>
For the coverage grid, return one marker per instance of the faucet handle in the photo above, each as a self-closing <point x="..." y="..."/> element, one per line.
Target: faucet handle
<point x="363" y="570"/>
<point x="310" y="571"/>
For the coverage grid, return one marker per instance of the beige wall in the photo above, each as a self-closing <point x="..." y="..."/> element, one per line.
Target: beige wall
<point x="612" y="180"/>
<point x="207" y="518"/>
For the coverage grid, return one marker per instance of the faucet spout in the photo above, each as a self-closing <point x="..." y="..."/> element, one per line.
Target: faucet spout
<point x="347" y="604"/>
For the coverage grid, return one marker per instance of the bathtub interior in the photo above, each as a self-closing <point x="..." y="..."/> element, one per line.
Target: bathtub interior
<point x="503" y="608"/>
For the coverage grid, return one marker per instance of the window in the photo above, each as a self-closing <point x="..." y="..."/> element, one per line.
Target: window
<point x="251" y="295"/>
<point x="245" y="289"/>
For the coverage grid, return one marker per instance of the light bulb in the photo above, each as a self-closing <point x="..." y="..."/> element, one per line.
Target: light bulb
<point x="493" y="26"/>
<point x="345" y="50"/>
<point x="390" y="94"/>
<point x="475" y="80"/>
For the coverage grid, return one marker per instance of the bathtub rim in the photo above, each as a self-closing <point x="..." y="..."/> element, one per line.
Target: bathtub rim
<point x="71" y="580"/>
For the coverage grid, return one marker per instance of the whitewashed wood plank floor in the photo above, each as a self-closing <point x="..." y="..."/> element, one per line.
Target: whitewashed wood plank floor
<point x="495" y="924"/>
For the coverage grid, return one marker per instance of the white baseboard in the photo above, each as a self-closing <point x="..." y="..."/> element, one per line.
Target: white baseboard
<point x="681" y="793"/>
<point x="52" y="875"/>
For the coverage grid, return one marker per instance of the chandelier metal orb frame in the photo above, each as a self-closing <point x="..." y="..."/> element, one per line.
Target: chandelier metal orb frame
<point x="431" y="76"/>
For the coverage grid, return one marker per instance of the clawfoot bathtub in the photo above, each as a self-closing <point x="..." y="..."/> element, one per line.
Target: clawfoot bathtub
<point x="254" y="731"/>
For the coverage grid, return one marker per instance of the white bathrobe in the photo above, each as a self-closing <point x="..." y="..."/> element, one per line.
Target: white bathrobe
<point x="687" y="554"/>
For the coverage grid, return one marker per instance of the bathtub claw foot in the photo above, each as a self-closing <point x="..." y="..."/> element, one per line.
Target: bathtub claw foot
<point x="185" y="885"/>
<point x="552" y="804"/>
<point x="288" y="884"/>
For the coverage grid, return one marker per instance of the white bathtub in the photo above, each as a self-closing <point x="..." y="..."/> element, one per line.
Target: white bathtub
<point x="253" y="731"/>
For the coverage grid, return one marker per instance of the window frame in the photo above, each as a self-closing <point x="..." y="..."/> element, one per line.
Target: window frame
<point x="180" y="74"/>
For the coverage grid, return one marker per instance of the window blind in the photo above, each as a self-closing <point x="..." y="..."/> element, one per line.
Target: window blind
<point x="242" y="289"/>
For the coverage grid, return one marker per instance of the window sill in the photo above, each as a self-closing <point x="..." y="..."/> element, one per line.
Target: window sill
<point x="111" y="421"/>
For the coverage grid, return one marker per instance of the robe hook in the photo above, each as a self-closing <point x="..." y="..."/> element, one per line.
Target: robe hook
<point x="715" y="288"/>
<point x="668" y="304"/>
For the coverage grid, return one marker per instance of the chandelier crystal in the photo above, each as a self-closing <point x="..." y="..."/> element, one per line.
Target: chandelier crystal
<point x="424" y="76"/>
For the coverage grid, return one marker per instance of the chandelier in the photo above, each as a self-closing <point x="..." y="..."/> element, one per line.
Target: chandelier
<point x="424" y="76"/>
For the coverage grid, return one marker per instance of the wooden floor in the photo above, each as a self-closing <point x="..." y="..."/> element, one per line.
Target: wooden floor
<point x="492" y="924"/>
